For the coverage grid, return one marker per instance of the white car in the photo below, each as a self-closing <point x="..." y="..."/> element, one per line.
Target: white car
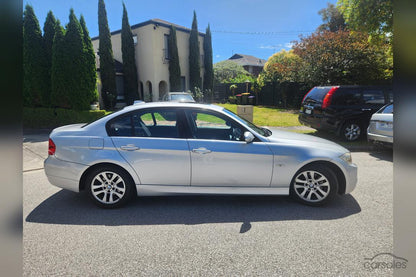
<point x="170" y="147"/>
<point x="380" y="129"/>
<point x="178" y="97"/>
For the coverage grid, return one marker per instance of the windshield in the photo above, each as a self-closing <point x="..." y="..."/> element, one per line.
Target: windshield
<point x="261" y="131"/>
<point x="178" y="97"/>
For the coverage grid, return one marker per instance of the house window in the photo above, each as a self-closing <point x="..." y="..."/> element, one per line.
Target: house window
<point x="166" y="49"/>
<point x="183" y="83"/>
<point x="135" y="39"/>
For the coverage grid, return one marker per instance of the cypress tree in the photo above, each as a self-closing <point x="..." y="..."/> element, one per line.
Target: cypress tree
<point x="89" y="64"/>
<point x="59" y="78"/>
<point x="194" y="64"/>
<point x="129" y="61"/>
<point x="174" y="67"/>
<point x="34" y="61"/>
<point x="75" y="65"/>
<point x="48" y="34"/>
<point x="209" y="71"/>
<point x="107" y="71"/>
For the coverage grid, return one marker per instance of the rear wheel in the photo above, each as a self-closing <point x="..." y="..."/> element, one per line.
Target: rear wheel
<point x="109" y="187"/>
<point x="351" y="131"/>
<point x="314" y="185"/>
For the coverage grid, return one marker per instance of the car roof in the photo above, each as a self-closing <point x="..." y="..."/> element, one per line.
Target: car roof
<point x="178" y="92"/>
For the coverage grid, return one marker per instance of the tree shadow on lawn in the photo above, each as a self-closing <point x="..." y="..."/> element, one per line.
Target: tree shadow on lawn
<point x="65" y="207"/>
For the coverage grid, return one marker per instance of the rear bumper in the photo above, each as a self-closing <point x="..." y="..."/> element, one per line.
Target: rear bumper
<point x="64" y="174"/>
<point x="379" y="138"/>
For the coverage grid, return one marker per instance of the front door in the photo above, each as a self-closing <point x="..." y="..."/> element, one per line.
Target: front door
<point x="221" y="157"/>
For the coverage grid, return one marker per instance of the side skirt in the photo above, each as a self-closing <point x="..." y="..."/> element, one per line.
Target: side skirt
<point x="153" y="190"/>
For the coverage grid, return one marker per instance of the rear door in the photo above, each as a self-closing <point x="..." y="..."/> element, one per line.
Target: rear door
<point x="153" y="142"/>
<point x="373" y="99"/>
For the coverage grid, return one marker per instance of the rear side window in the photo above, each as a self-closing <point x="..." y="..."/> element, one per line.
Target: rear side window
<point x="317" y="94"/>
<point x="156" y="123"/>
<point x="347" y="97"/>
<point x="120" y="127"/>
<point x="373" y="97"/>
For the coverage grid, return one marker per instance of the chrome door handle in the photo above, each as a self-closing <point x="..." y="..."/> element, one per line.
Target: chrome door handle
<point x="129" y="147"/>
<point x="366" y="109"/>
<point x="201" y="150"/>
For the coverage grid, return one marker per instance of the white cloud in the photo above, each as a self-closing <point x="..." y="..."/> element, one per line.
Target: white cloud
<point x="218" y="56"/>
<point x="289" y="45"/>
<point x="272" y="47"/>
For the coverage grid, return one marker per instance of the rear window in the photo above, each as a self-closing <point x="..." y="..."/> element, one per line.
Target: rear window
<point x="317" y="93"/>
<point x="387" y="109"/>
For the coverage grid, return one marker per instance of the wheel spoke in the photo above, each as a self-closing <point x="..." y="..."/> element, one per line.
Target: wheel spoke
<point x="309" y="195"/>
<point x="321" y="191"/>
<point x="297" y="180"/>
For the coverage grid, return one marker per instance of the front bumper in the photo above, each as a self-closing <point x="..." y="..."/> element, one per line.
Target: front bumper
<point x="351" y="178"/>
<point x="64" y="174"/>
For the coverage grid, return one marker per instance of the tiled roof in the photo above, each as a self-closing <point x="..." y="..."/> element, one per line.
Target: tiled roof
<point x="242" y="59"/>
<point x="156" y="22"/>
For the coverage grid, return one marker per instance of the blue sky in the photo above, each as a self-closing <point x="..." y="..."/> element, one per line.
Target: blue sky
<point x="253" y="27"/>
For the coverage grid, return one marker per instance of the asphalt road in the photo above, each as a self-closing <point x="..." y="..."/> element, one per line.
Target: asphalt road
<point x="65" y="234"/>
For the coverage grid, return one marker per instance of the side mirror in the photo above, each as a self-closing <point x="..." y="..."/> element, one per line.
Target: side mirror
<point x="248" y="137"/>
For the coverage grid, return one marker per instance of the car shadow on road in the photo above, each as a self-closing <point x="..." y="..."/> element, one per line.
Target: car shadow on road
<point x="65" y="207"/>
<point x="384" y="154"/>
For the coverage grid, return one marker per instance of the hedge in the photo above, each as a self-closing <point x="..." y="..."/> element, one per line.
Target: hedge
<point x="52" y="118"/>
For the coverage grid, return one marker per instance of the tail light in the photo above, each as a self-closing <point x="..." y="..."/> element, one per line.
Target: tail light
<point x="306" y="95"/>
<point x="51" y="147"/>
<point x="328" y="96"/>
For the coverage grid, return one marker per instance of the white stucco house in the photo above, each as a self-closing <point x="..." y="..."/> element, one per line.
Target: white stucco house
<point x="152" y="60"/>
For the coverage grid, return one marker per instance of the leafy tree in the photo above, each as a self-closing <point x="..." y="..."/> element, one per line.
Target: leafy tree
<point x="35" y="77"/>
<point x="79" y="83"/>
<point x="48" y="34"/>
<point x="131" y="91"/>
<point x="209" y="70"/>
<point x="226" y="71"/>
<point x="194" y="63"/>
<point x="59" y="78"/>
<point x="339" y="58"/>
<point x="374" y="17"/>
<point x="332" y="18"/>
<point x="174" y="67"/>
<point x="89" y="65"/>
<point x="107" y="71"/>
<point x="280" y="67"/>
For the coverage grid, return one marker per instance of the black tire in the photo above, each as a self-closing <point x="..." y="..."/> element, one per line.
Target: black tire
<point x="109" y="187"/>
<point x="307" y="182"/>
<point x="352" y="131"/>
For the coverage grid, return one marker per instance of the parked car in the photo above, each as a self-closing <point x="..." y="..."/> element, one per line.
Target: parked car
<point x="167" y="147"/>
<point x="345" y="110"/>
<point x="178" y="97"/>
<point x="380" y="130"/>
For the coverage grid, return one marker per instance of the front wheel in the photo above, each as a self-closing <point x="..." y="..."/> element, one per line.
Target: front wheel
<point x="109" y="187"/>
<point x="314" y="185"/>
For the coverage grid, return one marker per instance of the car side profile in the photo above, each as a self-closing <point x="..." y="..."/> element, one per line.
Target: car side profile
<point x="184" y="148"/>
<point x="345" y="110"/>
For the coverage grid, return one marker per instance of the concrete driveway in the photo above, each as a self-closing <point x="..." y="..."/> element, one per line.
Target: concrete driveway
<point x="64" y="234"/>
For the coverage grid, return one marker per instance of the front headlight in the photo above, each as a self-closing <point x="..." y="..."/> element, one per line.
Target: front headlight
<point x="346" y="157"/>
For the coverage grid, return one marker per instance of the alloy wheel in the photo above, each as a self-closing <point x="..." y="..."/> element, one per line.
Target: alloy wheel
<point x="352" y="131"/>
<point x="108" y="187"/>
<point x="311" y="186"/>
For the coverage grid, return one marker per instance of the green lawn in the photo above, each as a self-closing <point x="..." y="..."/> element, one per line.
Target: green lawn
<point x="264" y="116"/>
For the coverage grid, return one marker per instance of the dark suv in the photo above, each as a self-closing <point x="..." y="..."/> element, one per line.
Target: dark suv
<point x="344" y="109"/>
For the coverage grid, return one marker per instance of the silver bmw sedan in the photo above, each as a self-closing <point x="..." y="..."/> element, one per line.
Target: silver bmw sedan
<point x="188" y="148"/>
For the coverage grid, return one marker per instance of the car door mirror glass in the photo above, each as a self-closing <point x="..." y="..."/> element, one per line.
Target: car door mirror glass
<point x="248" y="137"/>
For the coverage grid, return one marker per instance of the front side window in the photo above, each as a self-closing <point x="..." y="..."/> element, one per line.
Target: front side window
<point x="213" y="126"/>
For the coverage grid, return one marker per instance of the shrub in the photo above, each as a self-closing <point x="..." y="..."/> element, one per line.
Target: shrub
<point x="52" y="118"/>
